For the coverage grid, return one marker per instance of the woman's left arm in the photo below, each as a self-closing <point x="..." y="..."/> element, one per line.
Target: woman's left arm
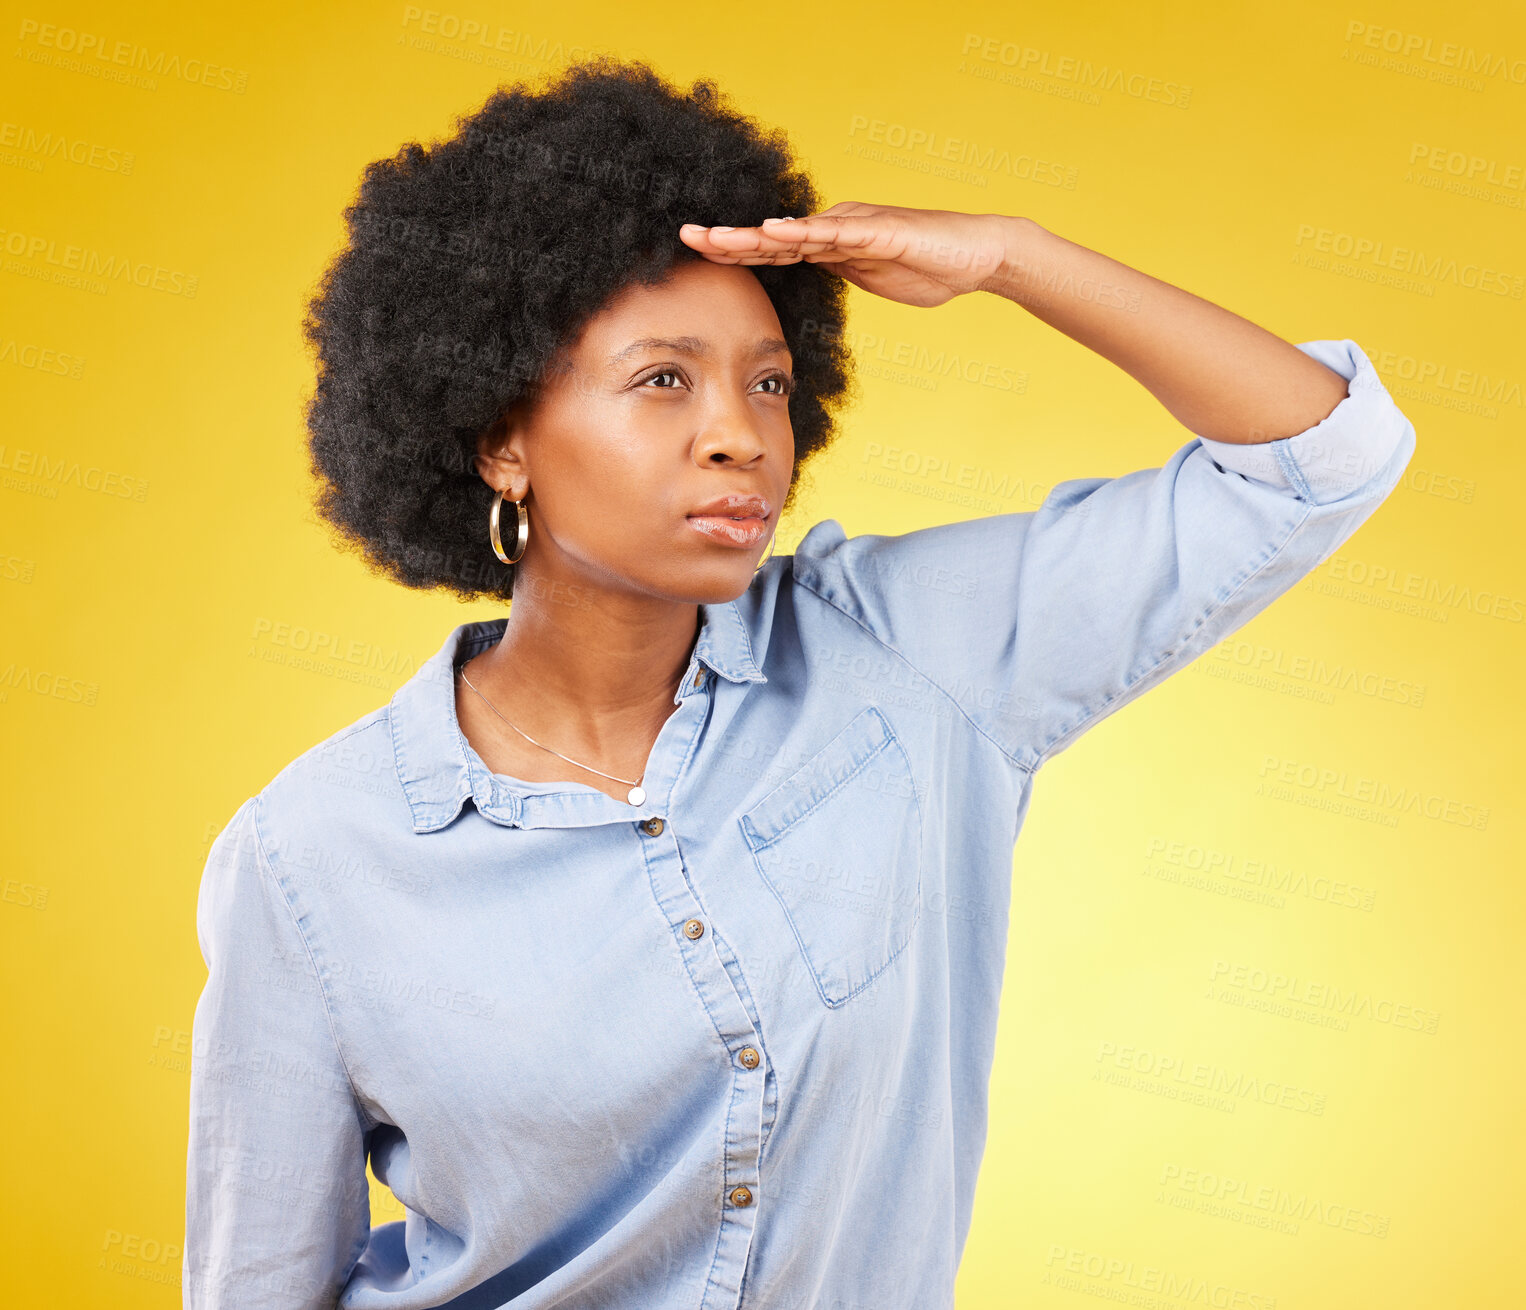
<point x="1220" y="375"/>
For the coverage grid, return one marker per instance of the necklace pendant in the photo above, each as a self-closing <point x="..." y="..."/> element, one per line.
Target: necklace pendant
<point x="636" y="796"/>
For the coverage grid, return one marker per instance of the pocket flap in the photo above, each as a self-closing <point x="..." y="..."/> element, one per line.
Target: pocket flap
<point x="865" y="735"/>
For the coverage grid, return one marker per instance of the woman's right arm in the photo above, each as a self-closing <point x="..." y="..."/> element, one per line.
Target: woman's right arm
<point x="1041" y="623"/>
<point x="277" y="1201"/>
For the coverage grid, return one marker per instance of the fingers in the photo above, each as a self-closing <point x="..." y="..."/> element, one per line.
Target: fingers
<point x="746" y="241"/>
<point x="821" y="230"/>
<point x="783" y="240"/>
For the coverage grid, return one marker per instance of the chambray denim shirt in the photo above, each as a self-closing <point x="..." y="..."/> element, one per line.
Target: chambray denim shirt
<point x="729" y="1047"/>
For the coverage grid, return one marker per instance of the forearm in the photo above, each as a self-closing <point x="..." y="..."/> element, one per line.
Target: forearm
<point x="1220" y="375"/>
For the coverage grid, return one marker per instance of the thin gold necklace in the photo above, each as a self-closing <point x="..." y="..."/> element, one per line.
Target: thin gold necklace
<point x="635" y="796"/>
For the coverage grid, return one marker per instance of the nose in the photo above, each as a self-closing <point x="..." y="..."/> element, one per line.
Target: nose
<point x="732" y="433"/>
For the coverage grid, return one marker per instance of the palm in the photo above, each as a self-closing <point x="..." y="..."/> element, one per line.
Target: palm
<point x="894" y="282"/>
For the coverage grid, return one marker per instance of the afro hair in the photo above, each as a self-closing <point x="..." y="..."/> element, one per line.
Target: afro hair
<point x="472" y="261"/>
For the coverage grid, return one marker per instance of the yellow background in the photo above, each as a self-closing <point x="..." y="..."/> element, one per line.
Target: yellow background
<point x="154" y="582"/>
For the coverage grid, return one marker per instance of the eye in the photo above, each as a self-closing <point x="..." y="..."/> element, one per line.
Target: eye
<point x="786" y="383"/>
<point x="661" y="373"/>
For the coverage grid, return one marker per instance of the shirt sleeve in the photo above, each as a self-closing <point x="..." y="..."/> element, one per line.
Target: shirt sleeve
<point x="1040" y="624"/>
<point x="277" y="1200"/>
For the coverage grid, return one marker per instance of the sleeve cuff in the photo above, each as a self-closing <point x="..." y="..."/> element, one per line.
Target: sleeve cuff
<point x="1341" y="453"/>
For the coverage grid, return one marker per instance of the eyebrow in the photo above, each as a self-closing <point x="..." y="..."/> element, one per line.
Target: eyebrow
<point x="695" y="346"/>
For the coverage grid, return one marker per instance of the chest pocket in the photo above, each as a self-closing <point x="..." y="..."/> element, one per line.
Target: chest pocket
<point x="839" y="843"/>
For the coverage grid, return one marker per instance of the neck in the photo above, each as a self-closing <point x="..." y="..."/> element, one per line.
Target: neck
<point x="587" y="666"/>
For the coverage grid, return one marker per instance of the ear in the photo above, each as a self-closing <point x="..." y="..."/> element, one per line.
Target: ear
<point x="499" y="460"/>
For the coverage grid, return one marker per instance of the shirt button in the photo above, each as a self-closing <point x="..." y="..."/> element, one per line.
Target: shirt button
<point x="699" y="678"/>
<point x="694" y="930"/>
<point x="749" y="1057"/>
<point x="652" y="827"/>
<point x="740" y="1196"/>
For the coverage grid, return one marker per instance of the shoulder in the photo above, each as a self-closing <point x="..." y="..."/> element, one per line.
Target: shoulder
<point x="361" y="747"/>
<point x="820" y="549"/>
<point x="873" y="577"/>
<point x="348" y="779"/>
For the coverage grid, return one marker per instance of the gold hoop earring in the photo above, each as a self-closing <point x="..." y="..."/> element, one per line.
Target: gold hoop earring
<point x="524" y="530"/>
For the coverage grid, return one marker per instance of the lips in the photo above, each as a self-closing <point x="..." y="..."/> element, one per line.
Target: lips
<point x="736" y="505"/>
<point x="738" y="519"/>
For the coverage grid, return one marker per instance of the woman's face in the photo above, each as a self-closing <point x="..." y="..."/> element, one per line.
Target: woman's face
<point x="673" y="396"/>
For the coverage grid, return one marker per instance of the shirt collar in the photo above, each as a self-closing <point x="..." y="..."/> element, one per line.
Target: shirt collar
<point x="436" y="765"/>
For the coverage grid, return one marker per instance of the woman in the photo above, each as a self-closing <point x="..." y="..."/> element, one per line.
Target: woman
<point x="648" y="942"/>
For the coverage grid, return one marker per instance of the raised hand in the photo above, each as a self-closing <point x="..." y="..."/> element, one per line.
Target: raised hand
<point x="921" y="257"/>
